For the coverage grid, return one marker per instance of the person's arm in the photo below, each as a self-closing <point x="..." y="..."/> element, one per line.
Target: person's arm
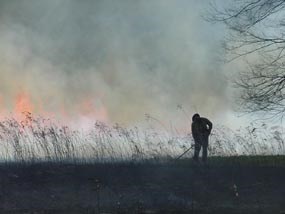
<point x="209" y="124"/>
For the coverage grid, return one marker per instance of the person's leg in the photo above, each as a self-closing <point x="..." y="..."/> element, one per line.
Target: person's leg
<point x="196" y="151"/>
<point x="205" y="153"/>
<point x="205" y="149"/>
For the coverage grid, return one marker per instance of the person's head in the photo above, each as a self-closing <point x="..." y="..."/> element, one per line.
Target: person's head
<point x="195" y="117"/>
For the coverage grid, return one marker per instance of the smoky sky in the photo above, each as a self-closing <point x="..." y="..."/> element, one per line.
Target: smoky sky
<point x="115" y="60"/>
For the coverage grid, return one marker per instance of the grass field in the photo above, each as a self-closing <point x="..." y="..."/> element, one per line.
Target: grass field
<point x="49" y="168"/>
<point x="242" y="184"/>
<point x="38" y="139"/>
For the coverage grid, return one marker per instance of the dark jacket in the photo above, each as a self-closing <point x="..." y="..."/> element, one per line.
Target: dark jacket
<point x="201" y="127"/>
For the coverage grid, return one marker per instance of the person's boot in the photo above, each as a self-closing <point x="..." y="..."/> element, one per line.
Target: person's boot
<point x="204" y="161"/>
<point x="195" y="159"/>
<point x="196" y="156"/>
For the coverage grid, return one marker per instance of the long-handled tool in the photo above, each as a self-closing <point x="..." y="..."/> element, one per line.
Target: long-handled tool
<point x="180" y="156"/>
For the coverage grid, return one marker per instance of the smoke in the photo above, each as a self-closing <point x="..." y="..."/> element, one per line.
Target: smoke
<point x="111" y="60"/>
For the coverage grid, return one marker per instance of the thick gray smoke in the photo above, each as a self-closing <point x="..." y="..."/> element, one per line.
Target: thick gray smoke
<point x="114" y="60"/>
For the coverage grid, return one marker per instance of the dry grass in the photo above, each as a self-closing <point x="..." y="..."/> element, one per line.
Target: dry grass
<point x="39" y="139"/>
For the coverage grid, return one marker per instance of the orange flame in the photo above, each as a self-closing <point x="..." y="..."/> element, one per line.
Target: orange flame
<point x="86" y="111"/>
<point x="23" y="104"/>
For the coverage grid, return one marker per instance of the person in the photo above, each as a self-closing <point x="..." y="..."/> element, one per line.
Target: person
<point x="201" y="129"/>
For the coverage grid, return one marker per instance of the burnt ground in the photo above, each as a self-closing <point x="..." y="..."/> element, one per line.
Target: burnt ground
<point x="148" y="187"/>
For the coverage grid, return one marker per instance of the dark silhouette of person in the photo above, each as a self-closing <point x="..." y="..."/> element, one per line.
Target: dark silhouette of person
<point x="201" y="129"/>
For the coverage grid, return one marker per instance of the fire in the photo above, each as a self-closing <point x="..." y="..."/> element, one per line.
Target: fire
<point x="82" y="113"/>
<point x="23" y="104"/>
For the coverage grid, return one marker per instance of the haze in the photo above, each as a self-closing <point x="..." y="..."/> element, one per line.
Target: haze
<point x="112" y="60"/>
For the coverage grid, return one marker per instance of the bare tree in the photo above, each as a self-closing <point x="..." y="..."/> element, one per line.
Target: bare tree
<point x="256" y="30"/>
